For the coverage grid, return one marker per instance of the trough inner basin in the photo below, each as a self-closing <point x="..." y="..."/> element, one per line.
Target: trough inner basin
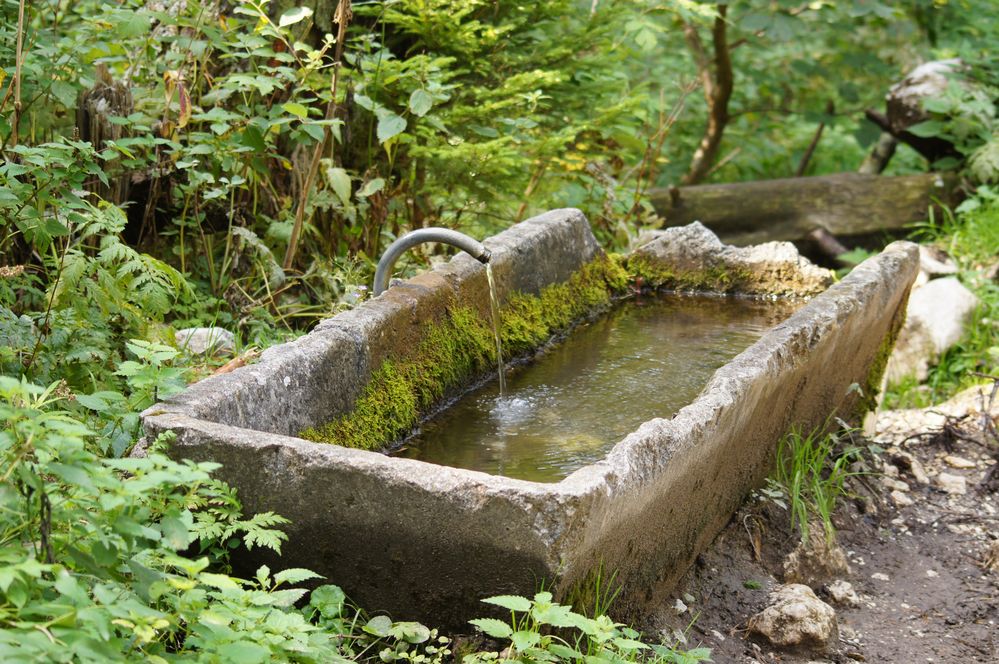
<point x="647" y="358"/>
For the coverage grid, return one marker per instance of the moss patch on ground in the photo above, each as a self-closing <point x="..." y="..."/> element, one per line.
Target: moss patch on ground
<point x="459" y="347"/>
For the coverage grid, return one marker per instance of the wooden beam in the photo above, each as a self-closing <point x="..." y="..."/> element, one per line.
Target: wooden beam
<point x="844" y="204"/>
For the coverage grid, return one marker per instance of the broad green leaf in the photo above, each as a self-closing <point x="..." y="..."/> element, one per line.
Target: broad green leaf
<point x="410" y="632"/>
<point x="497" y="629"/>
<point x="629" y="644"/>
<point x="92" y="401"/>
<point x="420" y="102"/>
<point x="245" y="652"/>
<point x="927" y="129"/>
<point x="512" y="602"/>
<point x="220" y="581"/>
<point x="296" y="109"/>
<point x="293" y="16"/>
<point x="564" y="652"/>
<point x="937" y="105"/>
<point x="524" y="639"/>
<point x="339" y="180"/>
<point x="328" y="600"/>
<point x="295" y="575"/>
<point x="379" y="626"/>
<point x="389" y="126"/>
<point x="371" y="187"/>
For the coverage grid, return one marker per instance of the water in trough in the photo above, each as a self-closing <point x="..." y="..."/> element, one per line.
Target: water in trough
<point x="645" y="359"/>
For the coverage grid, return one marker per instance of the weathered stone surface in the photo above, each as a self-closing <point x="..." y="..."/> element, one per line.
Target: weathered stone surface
<point x="842" y="593"/>
<point x="773" y="268"/>
<point x="815" y="561"/>
<point x="205" y="340"/>
<point x="428" y="542"/>
<point x="936" y="317"/>
<point x="796" y="618"/>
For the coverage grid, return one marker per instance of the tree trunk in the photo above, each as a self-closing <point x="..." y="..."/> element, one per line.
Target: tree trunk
<point x="717" y="81"/>
<point x="845" y="204"/>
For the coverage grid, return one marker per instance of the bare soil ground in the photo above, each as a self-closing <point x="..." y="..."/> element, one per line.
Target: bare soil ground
<point x="923" y="556"/>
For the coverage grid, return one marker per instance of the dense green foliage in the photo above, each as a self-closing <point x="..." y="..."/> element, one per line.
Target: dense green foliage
<point x="158" y="158"/>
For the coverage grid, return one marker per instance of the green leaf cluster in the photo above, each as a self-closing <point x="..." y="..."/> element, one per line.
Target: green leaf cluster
<point x="542" y="630"/>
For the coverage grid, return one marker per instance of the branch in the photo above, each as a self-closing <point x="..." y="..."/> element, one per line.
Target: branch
<point x="718" y="86"/>
<point x="931" y="148"/>
<point x="18" y="61"/>
<point x="342" y="16"/>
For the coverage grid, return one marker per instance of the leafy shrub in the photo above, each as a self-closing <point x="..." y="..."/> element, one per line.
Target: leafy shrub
<point x="540" y="630"/>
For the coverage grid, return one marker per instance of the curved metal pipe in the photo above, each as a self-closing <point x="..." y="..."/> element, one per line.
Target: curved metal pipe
<point x="433" y="234"/>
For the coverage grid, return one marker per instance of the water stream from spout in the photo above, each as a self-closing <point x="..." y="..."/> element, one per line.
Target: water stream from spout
<point x="494" y="310"/>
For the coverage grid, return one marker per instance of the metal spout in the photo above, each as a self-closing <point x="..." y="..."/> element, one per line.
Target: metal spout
<point x="470" y="246"/>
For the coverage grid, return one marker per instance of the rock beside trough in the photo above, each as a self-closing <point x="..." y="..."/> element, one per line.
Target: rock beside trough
<point x="698" y="260"/>
<point x="796" y="618"/>
<point x="937" y="314"/>
<point x="205" y="340"/>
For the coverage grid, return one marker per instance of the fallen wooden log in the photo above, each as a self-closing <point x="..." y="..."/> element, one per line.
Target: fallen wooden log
<point x="845" y="205"/>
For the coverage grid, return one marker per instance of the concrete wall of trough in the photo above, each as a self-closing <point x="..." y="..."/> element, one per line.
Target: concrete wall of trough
<point x="427" y="542"/>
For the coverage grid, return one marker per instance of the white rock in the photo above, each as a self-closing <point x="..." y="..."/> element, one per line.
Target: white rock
<point x="918" y="472"/>
<point x="958" y="462"/>
<point x="879" y="576"/>
<point x="895" y="485"/>
<point x="900" y="499"/>
<point x="205" y="340"/>
<point x="952" y="483"/>
<point x="935" y="263"/>
<point x="796" y="617"/>
<point x="934" y="322"/>
<point x="842" y="593"/>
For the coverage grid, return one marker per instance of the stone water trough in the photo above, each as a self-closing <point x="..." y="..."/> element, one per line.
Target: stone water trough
<point x="428" y="542"/>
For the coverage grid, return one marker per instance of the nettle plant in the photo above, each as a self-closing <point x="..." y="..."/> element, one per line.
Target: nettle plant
<point x="541" y="630"/>
<point x="105" y="559"/>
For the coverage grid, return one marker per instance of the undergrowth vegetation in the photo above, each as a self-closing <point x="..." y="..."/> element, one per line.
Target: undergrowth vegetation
<point x="970" y="235"/>
<point x="810" y="474"/>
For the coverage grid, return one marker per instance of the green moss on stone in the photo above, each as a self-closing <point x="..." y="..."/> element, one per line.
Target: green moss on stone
<point x="461" y="346"/>
<point x="715" y="278"/>
<point x="871" y="387"/>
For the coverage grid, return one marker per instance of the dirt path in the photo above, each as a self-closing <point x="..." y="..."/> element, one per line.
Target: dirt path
<point x="923" y="555"/>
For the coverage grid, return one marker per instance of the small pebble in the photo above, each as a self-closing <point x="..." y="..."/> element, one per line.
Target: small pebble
<point x="878" y="576"/>
<point x="958" y="462"/>
<point x="954" y="484"/>
<point x="900" y="499"/>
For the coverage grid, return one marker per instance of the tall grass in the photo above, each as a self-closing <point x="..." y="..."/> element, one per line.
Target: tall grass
<point x="813" y="476"/>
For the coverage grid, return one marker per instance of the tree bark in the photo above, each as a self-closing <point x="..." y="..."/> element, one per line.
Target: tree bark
<point x="845" y="204"/>
<point x="716" y="81"/>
